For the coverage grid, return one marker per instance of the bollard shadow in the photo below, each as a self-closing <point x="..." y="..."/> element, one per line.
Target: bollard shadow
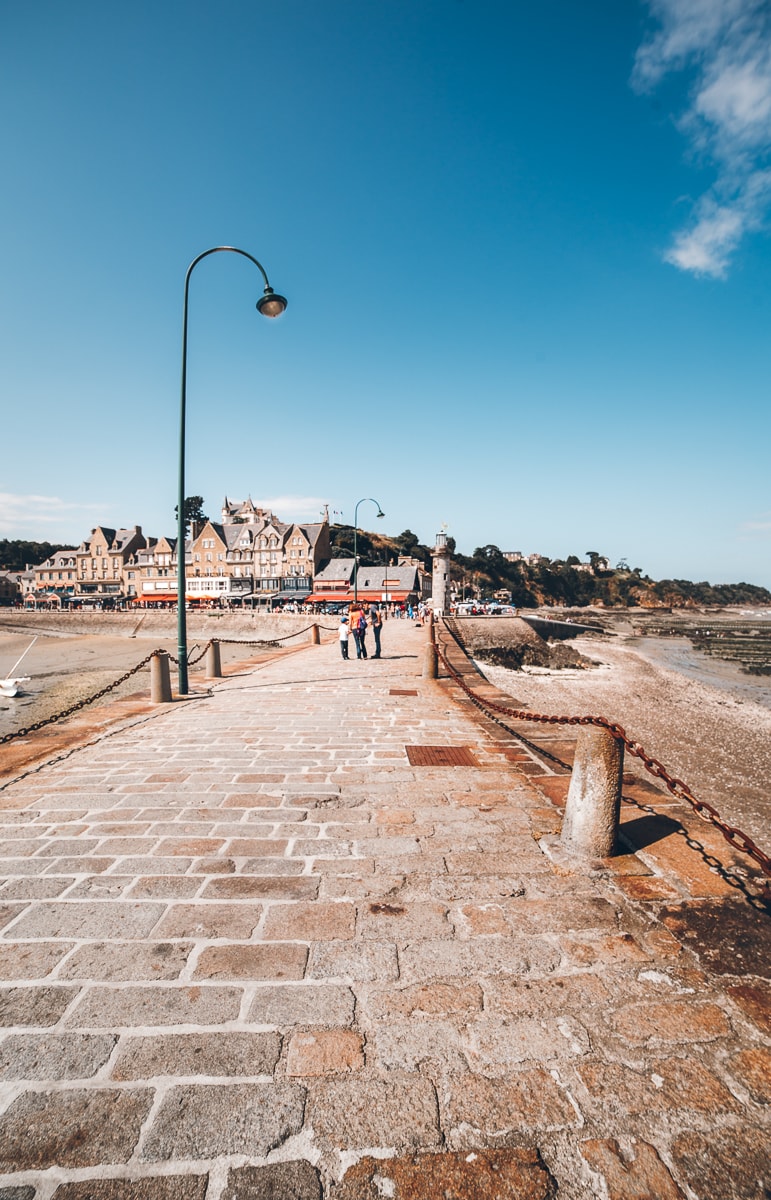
<point x="647" y="830"/>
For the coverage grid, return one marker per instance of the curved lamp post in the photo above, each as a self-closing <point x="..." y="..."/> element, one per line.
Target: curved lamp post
<point x="380" y="514"/>
<point x="270" y="304"/>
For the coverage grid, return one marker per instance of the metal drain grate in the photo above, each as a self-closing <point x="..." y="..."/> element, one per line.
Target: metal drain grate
<point x="440" y="756"/>
<point x="402" y="692"/>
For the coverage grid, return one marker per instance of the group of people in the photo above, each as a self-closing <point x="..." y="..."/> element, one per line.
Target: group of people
<point x="357" y="621"/>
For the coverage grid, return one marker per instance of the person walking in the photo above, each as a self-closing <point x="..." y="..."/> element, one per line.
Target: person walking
<point x="342" y="633"/>
<point x="376" y="621"/>
<point x="358" y="623"/>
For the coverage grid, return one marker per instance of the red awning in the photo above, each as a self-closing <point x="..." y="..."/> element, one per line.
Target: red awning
<point x="366" y="595"/>
<point x="150" y="597"/>
<point x="332" y="597"/>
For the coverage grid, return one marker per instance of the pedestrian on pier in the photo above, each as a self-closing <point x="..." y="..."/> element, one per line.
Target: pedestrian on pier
<point x="358" y="623"/>
<point x="376" y="621"/>
<point x="342" y="633"/>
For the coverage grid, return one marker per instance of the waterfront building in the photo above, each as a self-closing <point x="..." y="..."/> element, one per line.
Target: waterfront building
<point x="405" y="583"/>
<point x="151" y="573"/>
<point x="10" y="587"/>
<point x="101" y="562"/>
<point x="53" y="581"/>
<point x="248" y="557"/>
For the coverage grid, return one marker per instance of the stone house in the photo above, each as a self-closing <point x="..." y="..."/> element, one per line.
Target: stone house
<point x="401" y="584"/>
<point x="55" y="580"/>
<point x="101" y="560"/>
<point x="151" y="573"/>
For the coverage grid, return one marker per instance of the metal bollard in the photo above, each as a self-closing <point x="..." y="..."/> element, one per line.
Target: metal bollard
<point x="213" y="661"/>
<point x="160" y="679"/>
<point x="315" y="636"/>
<point x="430" y="662"/>
<point x="594" y="797"/>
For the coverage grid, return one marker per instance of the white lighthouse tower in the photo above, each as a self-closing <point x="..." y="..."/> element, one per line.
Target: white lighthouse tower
<point x="440" y="576"/>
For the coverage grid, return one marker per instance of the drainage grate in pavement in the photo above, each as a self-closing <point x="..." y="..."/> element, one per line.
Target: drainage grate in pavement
<point x="440" y="756"/>
<point x="403" y="692"/>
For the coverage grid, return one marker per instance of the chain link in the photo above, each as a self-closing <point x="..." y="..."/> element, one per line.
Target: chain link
<point x="79" y="704"/>
<point x="735" y="837"/>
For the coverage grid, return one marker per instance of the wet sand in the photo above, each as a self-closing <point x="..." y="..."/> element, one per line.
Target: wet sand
<point x="715" y="736"/>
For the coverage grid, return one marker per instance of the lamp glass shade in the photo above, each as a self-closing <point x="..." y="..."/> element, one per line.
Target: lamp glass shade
<point x="271" y="304"/>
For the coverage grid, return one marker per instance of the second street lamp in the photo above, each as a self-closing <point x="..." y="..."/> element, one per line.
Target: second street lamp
<point x="380" y="514"/>
<point x="270" y="304"/>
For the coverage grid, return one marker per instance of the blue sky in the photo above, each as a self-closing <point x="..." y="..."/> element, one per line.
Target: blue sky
<point x="525" y="248"/>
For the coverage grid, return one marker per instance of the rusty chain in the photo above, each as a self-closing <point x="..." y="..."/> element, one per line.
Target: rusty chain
<point x="270" y="641"/>
<point x="79" y="704"/>
<point x="735" y="837"/>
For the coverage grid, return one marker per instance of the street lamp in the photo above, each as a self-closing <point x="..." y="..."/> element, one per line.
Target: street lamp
<point x="380" y="514"/>
<point x="270" y="304"/>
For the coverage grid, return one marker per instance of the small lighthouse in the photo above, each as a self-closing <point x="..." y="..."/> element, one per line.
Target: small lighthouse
<point x="440" y="576"/>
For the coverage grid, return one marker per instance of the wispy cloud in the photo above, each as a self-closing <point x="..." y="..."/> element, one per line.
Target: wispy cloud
<point x="296" y="508"/>
<point x="33" y="516"/>
<point x="728" y="119"/>
<point x="759" y="527"/>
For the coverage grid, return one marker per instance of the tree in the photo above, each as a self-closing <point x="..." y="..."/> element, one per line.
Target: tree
<point x="17" y="554"/>
<point x="192" y="511"/>
<point x="408" y="543"/>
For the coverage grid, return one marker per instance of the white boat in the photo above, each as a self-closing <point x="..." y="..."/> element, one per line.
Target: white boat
<point x="10" y="685"/>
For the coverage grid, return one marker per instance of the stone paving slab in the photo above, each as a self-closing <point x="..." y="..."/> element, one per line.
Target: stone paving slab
<point x="247" y="950"/>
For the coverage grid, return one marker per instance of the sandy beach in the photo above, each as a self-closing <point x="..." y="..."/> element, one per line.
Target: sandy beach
<point x="714" y="735"/>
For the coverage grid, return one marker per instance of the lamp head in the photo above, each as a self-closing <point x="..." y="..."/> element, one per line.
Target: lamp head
<point x="271" y="304"/>
<point x="380" y="513"/>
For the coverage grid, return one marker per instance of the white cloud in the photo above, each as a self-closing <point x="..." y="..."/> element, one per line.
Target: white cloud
<point x="728" y="119"/>
<point x="296" y="508"/>
<point x="32" y="516"/>
<point x="759" y="527"/>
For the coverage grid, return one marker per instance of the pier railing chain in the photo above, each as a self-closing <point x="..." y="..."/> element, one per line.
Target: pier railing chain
<point x="735" y="837"/>
<point x="80" y="704"/>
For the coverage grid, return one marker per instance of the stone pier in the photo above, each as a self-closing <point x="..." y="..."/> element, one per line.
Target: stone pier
<point x="300" y="935"/>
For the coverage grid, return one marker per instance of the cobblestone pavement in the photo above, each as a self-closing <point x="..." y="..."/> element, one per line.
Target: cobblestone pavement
<point x="248" y="950"/>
